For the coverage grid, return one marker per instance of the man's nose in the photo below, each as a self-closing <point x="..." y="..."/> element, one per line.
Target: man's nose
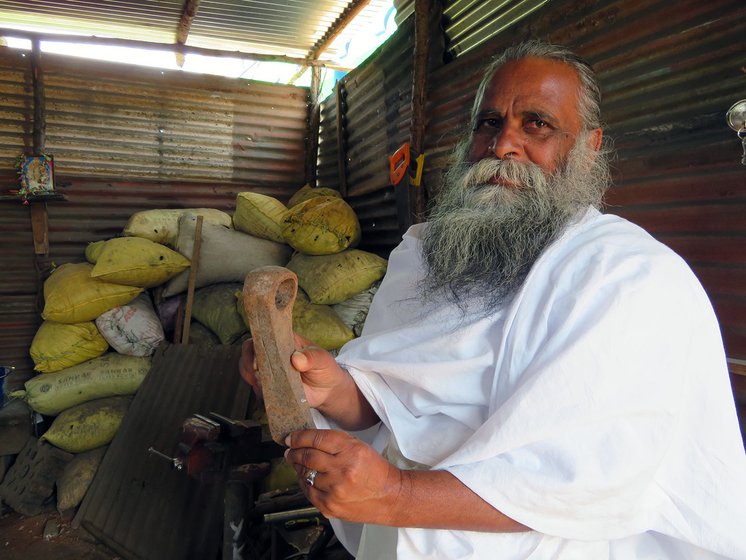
<point x="506" y="143"/>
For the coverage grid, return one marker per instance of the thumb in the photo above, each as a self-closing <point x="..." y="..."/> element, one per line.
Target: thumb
<point x="310" y="358"/>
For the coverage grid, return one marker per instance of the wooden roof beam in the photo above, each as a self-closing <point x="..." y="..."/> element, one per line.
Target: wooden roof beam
<point x="344" y="19"/>
<point x="176" y="48"/>
<point x="188" y="13"/>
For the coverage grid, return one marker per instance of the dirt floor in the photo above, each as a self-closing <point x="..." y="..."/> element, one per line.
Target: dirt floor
<point x="48" y="537"/>
<point x="23" y="538"/>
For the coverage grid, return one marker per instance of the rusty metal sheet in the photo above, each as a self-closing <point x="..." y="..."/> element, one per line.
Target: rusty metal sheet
<point x="668" y="73"/>
<point x="250" y="26"/>
<point x="137" y="504"/>
<point x="378" y="108"/>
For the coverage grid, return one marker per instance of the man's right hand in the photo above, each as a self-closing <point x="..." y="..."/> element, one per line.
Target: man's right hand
<point x="328" y="388"/>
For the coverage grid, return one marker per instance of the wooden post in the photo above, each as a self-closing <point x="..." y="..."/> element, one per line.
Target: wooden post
<point x="424" y="11"/>
<point x="39" y="214"/>
<point x="192" y="280"/>
<point x="314" y="118"/>
<point x="341" y="96"/>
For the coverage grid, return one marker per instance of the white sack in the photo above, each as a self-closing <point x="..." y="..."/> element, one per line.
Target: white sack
<point x="133" y="329"/>
<point x="226" y="255"/>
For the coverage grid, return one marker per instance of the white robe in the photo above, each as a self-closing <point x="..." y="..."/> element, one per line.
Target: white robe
<point x="594" y="407"/>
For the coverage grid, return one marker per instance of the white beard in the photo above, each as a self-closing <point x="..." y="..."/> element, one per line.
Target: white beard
<point x="483" y="237"/>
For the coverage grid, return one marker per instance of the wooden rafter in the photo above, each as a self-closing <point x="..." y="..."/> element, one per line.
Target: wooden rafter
<point x="188" y="13"/>
<point x="172" y="47"/>
<point x="344" y="19"/>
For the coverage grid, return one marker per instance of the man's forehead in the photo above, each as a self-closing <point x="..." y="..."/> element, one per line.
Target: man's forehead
<point x="537" y="84"/>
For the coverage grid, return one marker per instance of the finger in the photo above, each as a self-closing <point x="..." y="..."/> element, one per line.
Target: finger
<point x="305" y="476"/>
<point x="311" y="358"/>
<point x="301" y="341"/>
<point x="306" y="458"/>
<point x="327" y="441"/>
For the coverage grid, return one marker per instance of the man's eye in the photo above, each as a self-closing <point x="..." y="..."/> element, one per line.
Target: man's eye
<point x="537" y="123"/>
<point x="488" y="124"/>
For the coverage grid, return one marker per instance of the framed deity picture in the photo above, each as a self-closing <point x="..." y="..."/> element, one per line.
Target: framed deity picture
<point x="36" y="175"/>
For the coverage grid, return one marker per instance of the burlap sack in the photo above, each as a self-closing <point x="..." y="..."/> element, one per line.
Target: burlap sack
<point x="226" y="255"/>
<point x="307" y="191"/>
<point x="93" y="250"/>
<point x="71" y="295"/>
<point x="320" y="324"/>
<point x="57" y="346"/>
<point x="215" y="307"/>
<point x="259" y="215"/>
<point x="134" y="261"/>
<point x="322" y="225"/>
<point x="132" y="329"/>
<point x="331" y="279"/>
<point x="162" y="226"/>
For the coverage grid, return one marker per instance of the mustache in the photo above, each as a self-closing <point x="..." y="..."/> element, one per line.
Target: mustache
<point x="486" y="171"/>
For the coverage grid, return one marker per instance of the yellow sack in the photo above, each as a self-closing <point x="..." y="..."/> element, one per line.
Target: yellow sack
<point x="88" y="425"/>
<point x="162" y="226"/>
<point x="109" y="375"/>
<point x="93" y="250"/>
<point x="322" y="225"/>
<point x="331" y="279"/>
<point x="74" y="481"/>
<point x="134" y="261"/>
<point x="57" y="346"/>
<point x="72" y="296"/>
<point x="259" y="215"/>
<point x="307" y="191"/>
<point x="320" y="324"/>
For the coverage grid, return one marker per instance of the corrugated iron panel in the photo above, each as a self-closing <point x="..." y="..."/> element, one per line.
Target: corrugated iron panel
<point x="296" y="25"/>
<point x="378" y="111"/>
<point x="220" y="137"/>
<point x="469" y="23"/>
<point x="327" y="170"/>
<point x="145" y="20"/>
<point x="668" y="74"/>
<point x="289" y="28"/>
<point x="19" y="317"/>
<point x="110" y="121"/>
<point x="15" y="103"/>
<point x="138" y="504"/>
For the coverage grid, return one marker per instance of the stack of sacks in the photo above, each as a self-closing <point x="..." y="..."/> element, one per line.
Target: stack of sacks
<point x="84" y="389"/>
<point x="322" y="229"/>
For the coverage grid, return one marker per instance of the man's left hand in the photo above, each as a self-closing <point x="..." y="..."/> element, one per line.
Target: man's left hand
<point x="353" y="482"/>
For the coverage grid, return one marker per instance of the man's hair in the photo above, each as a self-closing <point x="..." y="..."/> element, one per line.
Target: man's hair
<point x="589" y="101"/>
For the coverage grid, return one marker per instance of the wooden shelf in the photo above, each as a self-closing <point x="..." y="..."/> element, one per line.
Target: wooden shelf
<point x="55" y="197"/>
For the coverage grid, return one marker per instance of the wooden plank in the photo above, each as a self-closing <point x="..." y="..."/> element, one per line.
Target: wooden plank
<point x="193" y="269"/>
<point x="40" y="227"/>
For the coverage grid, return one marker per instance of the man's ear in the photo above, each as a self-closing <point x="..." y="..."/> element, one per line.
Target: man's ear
<point x="594" y="139"/>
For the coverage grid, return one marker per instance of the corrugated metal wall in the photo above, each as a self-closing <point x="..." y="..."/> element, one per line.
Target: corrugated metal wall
<point x="378" y="108"/>
<point x="469" y="23"/>
<point x="126" y="139"/>
<point x="669" y="72"/>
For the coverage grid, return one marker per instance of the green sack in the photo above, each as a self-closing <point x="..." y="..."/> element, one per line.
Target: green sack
<point x="215" y="307"/>
<point x="331" y="279"/>
<point x="322" y="225"/>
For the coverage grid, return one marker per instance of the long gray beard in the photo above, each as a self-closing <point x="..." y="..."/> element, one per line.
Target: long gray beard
<point x="483" y="238"/>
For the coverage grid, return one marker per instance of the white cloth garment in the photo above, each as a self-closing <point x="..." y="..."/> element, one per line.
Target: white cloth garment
<point x="594" y="407"/>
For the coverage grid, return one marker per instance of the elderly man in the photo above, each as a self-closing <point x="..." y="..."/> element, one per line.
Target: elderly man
<point x="541" y="380"/>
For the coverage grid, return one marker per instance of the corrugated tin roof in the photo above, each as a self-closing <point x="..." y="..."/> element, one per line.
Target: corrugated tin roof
<point x="292" y="28"/>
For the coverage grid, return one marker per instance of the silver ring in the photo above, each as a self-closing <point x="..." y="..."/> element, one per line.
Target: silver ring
<point x="311" y="476"/>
